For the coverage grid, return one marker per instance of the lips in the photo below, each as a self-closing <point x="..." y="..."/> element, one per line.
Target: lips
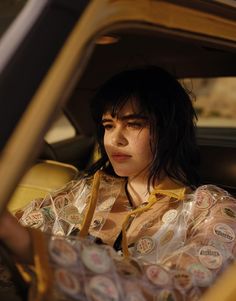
<point x="120" y="157"/>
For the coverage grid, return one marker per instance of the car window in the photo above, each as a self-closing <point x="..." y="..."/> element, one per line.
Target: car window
<point x="60" y="130"/>
<point x="214" y="100"/>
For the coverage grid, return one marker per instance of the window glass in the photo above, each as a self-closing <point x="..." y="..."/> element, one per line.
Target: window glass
<point x="214" y="100"/>
<point x="60" y="130"/>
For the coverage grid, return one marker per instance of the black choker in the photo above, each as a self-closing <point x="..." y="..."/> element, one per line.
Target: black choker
<point x="128" y="195"/>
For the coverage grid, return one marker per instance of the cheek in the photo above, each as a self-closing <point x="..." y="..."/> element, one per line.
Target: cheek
<point x="144" y="149"/>
<point x="106" y="141"/>
<point x="142" y="143"/>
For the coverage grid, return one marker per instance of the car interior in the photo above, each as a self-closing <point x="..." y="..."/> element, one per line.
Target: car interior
<point x="184" y="54"/>
<point x="189" y="58"/>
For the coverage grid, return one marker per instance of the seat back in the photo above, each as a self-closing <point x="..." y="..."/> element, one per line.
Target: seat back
<point x="218" y="166"/>
<point x="41" y="179"/>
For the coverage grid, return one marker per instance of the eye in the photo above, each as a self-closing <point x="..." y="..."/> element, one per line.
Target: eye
<point x="135" y="125"/>
<point x="107" y="126"/>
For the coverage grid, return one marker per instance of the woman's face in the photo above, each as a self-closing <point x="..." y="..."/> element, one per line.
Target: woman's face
<point x="127" y="141"/>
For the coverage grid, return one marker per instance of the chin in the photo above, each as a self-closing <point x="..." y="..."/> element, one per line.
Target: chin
<point x="121" y="173"/>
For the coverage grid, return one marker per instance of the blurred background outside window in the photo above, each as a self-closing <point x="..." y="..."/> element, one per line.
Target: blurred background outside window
<point x="214" y="100"/>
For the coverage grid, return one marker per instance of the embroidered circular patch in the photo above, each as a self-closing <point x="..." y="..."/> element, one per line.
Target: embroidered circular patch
<point x="169" y="216"/>
<point x="201" y="275"/>
<point x="224" y="232"/>
<point x="229" y="212"/>
<point x="96" y="259"/>
<point x="166" y="237"/>
<point x="157" y="275"/>
<point x="67" y="282"/>
<point x="34" y="219"/>
<point x="62" y="252"/>
<point x="182" y="280"/>
<point x="101" y="288"/>
<point x="71" y="214"/>
<point x="203" y="199"/>
<point x="210" y="257"/>
<point x="60" y="201"/>
<point x="144" y="245"/>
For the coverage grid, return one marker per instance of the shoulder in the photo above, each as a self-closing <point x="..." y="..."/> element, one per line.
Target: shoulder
<point x="211" y="196"/>
<point x="104" y="182"/>
<point x="214" y="213"/>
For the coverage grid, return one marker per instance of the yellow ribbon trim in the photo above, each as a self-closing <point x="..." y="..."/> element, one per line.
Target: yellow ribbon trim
<point x="92" y="205"/>
<point x="177" y="193"/>
<point x="41" y="264"/>
<point x="172" y="193"/>
<point x="166" y="188"/>
<point x="134" y="212"/>
<point x="24" y="273"/>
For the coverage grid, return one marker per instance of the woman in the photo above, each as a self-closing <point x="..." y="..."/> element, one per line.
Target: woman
<point x="138" y="198"/>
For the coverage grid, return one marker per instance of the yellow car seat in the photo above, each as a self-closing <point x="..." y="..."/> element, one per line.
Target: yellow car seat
<point x="41" y="178"/>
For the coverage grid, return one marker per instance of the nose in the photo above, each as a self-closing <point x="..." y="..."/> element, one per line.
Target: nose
<point x="118" y="138"/>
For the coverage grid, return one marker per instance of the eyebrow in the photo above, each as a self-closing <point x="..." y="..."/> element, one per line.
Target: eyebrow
<point x="127" y="117"/>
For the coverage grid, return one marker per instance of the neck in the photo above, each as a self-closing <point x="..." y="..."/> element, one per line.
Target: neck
<point x="138" y="191"/>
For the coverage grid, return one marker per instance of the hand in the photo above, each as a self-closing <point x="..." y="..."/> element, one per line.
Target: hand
<point x="16" y="238"/>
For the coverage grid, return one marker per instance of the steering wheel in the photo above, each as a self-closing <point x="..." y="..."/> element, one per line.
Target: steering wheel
<point x="20" y="285"/>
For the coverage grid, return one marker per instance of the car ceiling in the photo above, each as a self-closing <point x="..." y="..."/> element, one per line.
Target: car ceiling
<point x="181" y="55"/>
<point x="177" y="52"/>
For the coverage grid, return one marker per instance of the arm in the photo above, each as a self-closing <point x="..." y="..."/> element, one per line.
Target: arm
<point x="16" y="238"/>
<point x="59" y="212"/>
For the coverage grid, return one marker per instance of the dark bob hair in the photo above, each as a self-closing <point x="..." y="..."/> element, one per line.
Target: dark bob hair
<point x="171" y="115"/>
